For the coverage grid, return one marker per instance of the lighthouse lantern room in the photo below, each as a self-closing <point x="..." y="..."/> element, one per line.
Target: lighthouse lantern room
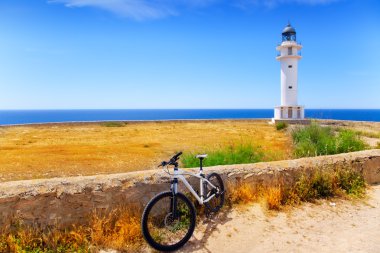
<point x="288" y="55"/>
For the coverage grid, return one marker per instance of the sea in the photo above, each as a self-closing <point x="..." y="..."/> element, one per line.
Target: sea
<point x="15" y="117"/>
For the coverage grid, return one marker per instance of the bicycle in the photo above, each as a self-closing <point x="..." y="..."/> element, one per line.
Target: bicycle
<point x="171" y="214"/>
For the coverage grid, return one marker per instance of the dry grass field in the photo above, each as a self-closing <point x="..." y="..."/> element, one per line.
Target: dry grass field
<point x="54" y="150"/>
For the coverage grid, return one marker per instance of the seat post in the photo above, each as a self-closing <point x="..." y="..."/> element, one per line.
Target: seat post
<point x="201" y="157"/>
<point x="200" y="164"/>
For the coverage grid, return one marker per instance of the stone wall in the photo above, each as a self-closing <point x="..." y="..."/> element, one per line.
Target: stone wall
<point x="65" y="201"/>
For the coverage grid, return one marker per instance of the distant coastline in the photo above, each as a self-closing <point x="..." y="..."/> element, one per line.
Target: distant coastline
<point x="21" y="117"/>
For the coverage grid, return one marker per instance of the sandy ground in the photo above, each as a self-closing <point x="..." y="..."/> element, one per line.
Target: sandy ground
<point x="327" y="226"/>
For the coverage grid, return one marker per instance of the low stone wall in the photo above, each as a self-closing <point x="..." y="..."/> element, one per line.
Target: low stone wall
<point x="65" y="201"/>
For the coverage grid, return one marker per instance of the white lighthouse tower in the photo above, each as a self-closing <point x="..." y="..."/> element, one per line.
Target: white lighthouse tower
<point x="289" y="54"/>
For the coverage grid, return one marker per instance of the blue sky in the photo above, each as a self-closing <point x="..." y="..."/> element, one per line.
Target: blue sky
<point x="100" y="54"/>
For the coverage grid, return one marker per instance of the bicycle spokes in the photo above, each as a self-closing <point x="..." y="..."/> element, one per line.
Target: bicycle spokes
<point x="168" y="223"/>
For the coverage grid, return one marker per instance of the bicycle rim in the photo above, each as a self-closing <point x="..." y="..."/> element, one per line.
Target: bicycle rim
<point x="165" y="229"/>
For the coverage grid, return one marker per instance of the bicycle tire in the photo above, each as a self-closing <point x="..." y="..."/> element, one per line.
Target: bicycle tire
<point x="145" y="217"/>
<point x="217" y="181"/>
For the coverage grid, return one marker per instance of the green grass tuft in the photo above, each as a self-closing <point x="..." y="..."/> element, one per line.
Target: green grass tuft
<point x="114" y="124"/>
<point x="281" y="125"/>
<point x="232" y="154"/>
<point x="349" y="141"/>
<point x="314" y="140"/>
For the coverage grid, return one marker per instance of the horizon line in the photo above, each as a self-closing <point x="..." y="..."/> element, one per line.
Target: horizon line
<point x="105" y="109"/>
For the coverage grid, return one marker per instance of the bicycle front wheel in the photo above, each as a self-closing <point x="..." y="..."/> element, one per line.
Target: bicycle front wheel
<point x="168" y="221"/>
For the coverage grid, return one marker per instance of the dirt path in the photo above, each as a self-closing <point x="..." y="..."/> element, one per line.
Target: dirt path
<point x="339" y="226"/>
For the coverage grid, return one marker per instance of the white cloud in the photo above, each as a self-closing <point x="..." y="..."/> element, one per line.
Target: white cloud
<point x="273" y="3"/>
<point x="136" y="9"/>
<point x="153" y="9"/>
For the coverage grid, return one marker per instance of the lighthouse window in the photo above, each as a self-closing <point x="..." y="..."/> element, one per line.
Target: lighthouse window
<point x="290" y="87"/>
<point x="290" y="66"/>
<point x="290" y="50"/>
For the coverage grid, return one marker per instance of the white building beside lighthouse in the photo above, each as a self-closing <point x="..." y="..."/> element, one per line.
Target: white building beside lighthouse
<point x="288" y="55"/>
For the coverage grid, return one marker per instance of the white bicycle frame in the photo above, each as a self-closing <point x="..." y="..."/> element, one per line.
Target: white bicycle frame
<point x="179" y="174"/>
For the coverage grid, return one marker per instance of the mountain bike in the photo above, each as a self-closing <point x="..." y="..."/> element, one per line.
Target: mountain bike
<point x="168" y="220"/>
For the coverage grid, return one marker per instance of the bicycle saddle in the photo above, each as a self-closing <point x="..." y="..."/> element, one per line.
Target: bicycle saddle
<point x="201" y="156"/>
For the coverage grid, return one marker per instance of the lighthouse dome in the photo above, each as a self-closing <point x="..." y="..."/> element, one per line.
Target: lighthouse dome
<point x="289" y="33"/>
<point x="289" y="29"/>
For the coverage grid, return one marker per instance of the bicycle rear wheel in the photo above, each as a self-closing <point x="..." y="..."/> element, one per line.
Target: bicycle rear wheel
<point x="168" y="221"/>
<point x="217" y="202"/>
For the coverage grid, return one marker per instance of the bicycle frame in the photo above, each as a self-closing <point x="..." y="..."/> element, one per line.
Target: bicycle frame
<point x="179" y="174"/>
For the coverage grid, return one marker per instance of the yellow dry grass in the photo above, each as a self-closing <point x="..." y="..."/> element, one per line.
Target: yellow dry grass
<point x="274" y="196"/>
<point x="118" y="229"/>
<point x="242" y="193"/>
<point x="55" y="150"/>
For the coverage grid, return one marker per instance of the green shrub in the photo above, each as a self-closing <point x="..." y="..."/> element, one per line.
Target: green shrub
<point x="302" y="189"/>
<point x="307" y="187"/>
<point x="318" y="185"/>
<point x="114" y="124"/>
<point x="232" y="154"/>
<point x="349" y="141"/>
<point x="351" y="182"/>
<point x="314" y="140"/>
<point x="325" y="184"/>
<point x="281" y="125"/>
<point x="322" y="184"/>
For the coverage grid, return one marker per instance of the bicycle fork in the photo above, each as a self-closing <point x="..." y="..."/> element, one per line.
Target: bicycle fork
<point x="173" y="199"/>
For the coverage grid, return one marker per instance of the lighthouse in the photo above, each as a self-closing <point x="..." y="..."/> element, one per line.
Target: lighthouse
<point x="288" y="55"/>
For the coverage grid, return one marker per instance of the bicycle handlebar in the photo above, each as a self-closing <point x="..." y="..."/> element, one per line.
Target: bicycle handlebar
<point x="176" y="156"/>
<point x="172" y="160"/>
